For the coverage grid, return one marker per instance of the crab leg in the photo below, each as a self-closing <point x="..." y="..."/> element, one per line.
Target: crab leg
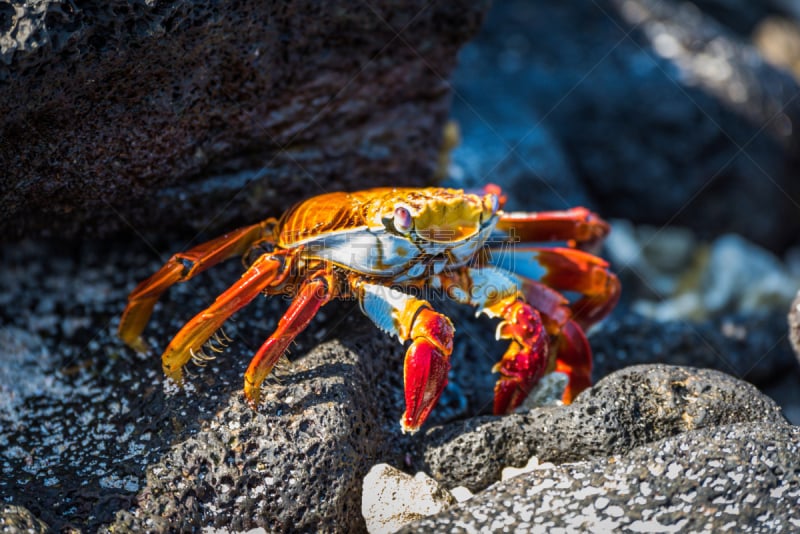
<point x="570" y="346"/>
<point x="180" y="268"/>
<point x="579" y="227"/>
<point x="427" y="359"/>
<point x="574" y="270"/>
<point x="315" y="292"/>
<point x="268" y="269"/>
<point x="567" y="269"/>
<point x="496" y="293"/>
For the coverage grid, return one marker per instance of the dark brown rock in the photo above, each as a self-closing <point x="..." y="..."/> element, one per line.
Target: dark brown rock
<point x="146" y="115"/>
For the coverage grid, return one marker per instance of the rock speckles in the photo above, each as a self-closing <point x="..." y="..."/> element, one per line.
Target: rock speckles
<point x="743" y="476"/>
<point x="629" y="408"/>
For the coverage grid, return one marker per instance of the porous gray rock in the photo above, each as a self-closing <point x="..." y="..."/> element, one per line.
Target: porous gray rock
<point x="92" y="435"/>
<point x="184" y="115"/>
<point x="741" y="476"/>
<point x="295" y="465"/>
<point x="632" y="407"/>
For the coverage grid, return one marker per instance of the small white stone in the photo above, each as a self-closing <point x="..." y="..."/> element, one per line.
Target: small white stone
<point x="461" y="494"/>
<point x="391" y="499"/>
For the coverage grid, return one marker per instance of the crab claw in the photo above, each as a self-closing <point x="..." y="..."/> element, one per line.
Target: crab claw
<point x="426" y="366"/>
<point x="526" y="359"/>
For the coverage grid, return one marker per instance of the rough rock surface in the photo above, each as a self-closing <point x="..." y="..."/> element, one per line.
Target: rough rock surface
<point x="743" y="476"/>
<point x="296" y="465"/>
<point x="150" y="115"/>
<point x="632" y="407"/>
<point x="90" y="433"/>
<point x="636" y="131"/>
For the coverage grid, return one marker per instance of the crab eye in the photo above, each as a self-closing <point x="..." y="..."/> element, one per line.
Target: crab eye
<point x="402" y="219"/>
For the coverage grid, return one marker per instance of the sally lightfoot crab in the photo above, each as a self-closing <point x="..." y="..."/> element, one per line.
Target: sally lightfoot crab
<point x="386" y="248"/>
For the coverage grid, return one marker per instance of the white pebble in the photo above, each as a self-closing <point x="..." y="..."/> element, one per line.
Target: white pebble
<point x="392" y="499"/>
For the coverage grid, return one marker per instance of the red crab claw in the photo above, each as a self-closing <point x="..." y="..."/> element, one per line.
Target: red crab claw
<point x="426" y="366"/>
<point x="526" y="359"/>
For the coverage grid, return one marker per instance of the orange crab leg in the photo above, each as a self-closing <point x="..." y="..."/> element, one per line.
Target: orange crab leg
<point x="180" y="268"/>
<point x="268" y="269"/>
<point x="579" y="227"/>
<point x="567" y="269"/>
<point x="574" y="359"/>
<point x="315" y="292"/>
<point x="574" y="270"/>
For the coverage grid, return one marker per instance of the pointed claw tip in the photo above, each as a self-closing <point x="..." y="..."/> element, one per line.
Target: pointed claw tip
<point x="425" y="374"/>
<point x="509" y="393"/>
